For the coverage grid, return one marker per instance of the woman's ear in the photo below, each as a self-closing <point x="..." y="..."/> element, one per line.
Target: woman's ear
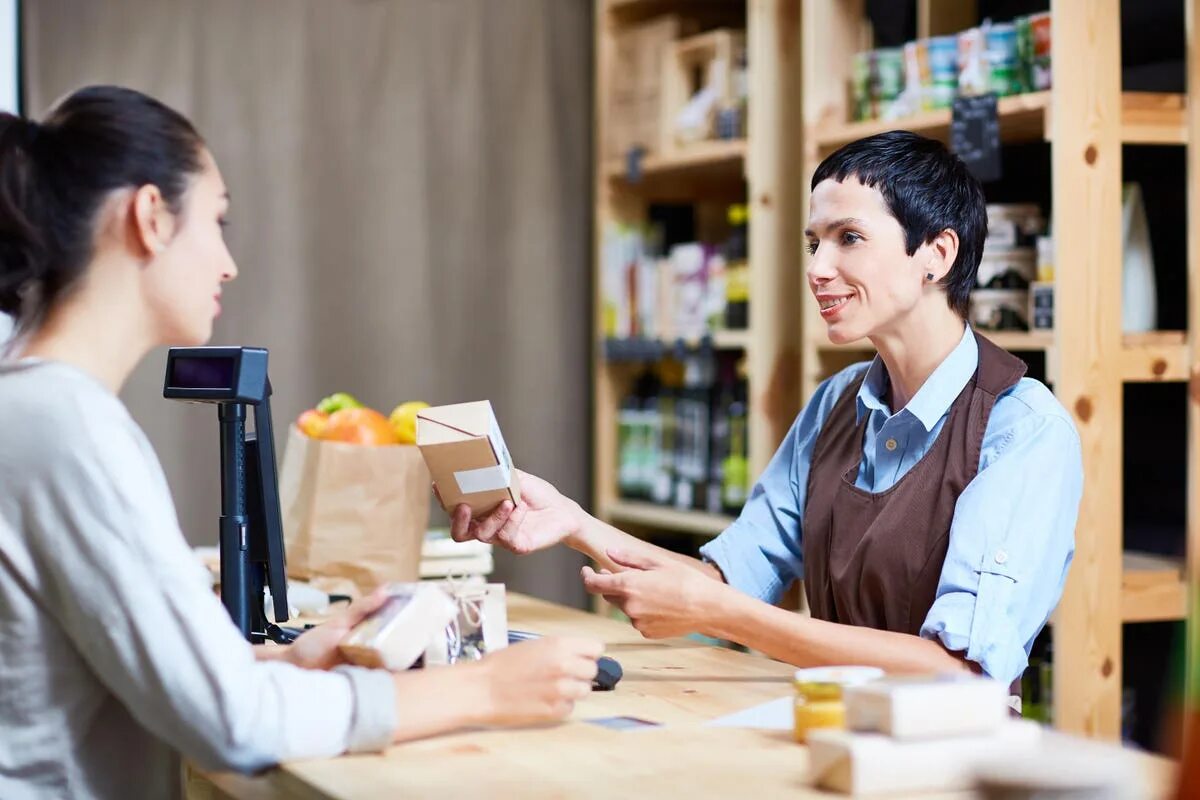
<point x="943" y="251"/>
<point x="153" y="223"/>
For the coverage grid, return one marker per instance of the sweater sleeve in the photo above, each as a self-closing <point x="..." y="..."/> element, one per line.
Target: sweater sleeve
<point x="113" y="569"/>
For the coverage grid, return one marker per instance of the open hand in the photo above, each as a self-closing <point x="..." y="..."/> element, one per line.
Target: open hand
<point x="541" y="519"/>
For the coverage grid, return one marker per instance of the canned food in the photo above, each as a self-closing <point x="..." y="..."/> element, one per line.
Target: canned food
<point x="860" y="87"/>
<point x="916" y="76"/>
<point x="974" y="73"/>
<point x="1039" y="33"/>
<point x="942" y="52"/>
<point x="1003" y="64"/>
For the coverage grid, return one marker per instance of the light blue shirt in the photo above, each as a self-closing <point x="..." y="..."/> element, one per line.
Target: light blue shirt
<point x="1013" y="533"/>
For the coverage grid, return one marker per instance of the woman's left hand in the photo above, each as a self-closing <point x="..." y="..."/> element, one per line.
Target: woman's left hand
<point x="662" y="598"/>
<point x="317" y="648"/>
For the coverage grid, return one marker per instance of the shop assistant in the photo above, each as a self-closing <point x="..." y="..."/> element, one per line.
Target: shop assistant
<point x="927" y="498"/>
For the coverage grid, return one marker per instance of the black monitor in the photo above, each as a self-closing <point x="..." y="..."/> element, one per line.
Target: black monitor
<point x="251" y="530"/>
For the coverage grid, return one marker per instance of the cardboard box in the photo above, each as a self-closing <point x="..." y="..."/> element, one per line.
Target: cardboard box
<point x="396" y="634"/>
<point x="928" y="706"/>
<point x="467" y="457"/>
<point x="864" y="764"/>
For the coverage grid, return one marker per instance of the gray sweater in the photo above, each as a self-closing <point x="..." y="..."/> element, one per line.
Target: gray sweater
<point x="115" y="655"/>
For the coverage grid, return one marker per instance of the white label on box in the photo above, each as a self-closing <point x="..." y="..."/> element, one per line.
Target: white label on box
<point x="498" y="445"/>
<point x="487" y="479"/>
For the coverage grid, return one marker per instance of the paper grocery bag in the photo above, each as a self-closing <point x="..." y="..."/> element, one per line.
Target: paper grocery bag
<point x="353" y="512"/>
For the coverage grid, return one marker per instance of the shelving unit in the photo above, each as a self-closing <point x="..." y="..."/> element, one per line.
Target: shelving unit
<point x="710" y="160"/>
<point x="649" y="515"/>
<point x="1146" y="118"/>
<point x="1088" y="359"/>
<point x="762" y="171"/>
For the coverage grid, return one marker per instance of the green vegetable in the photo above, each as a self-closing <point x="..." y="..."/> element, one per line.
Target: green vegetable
<point x="337" y="401"/>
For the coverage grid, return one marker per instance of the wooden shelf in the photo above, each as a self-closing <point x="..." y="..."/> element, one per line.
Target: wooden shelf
<point x="1153" y="588"/>
<point x="732" y="340"/>
<point x="1160" y="356"/>
<point x="716" y="160"/>
<point x="1146" y="118"/>
<point x="1155" y="357"/>
<point x="665" y="518"/>
<point x="640" y="350"/>
<point x="631" y="11"/>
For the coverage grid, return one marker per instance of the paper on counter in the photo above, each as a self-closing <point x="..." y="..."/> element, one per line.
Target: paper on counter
<point x="774" y="715"/>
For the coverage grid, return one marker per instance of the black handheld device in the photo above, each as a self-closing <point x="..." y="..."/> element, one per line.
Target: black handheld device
<point x="251" y="530"/>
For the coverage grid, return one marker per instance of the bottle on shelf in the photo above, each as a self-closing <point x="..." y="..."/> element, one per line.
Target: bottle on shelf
<point x="663" y="488"/>
<point x="737" y="269"/>
<point x="639" y="439"/>
<point x="735" y="470"/>
<point x="628" y="421"/>
<point x="1037" y="684"/>
<point x="718" y="447"/>
<point x="692" y="433"/>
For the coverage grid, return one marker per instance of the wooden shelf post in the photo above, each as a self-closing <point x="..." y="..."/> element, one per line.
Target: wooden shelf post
<point x="775" y="176"/>
<point x="1192" y="569"/>
<point x="1086" y="178"/>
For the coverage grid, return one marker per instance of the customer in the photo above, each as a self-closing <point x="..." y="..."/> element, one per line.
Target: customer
<point x="115" y="655"/>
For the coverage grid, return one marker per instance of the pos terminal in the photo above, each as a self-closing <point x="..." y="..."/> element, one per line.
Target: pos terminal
<point x="251" y="533"/>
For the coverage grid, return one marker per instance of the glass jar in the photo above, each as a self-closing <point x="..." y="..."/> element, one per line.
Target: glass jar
<point x="819" y="696"/>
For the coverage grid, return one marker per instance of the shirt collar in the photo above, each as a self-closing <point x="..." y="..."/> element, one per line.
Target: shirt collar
<point x="936" y="395"/>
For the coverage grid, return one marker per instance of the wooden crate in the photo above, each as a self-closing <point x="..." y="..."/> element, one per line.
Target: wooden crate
<point x="707" y="60"/>
<point x="634" y="93"/>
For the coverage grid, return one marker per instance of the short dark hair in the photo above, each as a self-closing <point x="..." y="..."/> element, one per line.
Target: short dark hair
<point x="927" y="189"/>
<point x="54" y="175"/>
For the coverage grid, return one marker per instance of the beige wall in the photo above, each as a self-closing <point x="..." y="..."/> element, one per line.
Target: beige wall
<point x="410" y="207"/>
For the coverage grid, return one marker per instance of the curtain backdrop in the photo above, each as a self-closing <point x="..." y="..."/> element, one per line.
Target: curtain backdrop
<point x="410" y="208"/>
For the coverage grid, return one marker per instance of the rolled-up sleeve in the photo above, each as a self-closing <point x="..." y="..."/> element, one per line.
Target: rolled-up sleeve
<point x="1011" y="542"/>
<point x="762" y="552"/>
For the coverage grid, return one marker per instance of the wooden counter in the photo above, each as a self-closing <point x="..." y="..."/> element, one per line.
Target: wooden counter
<point x="678" y="682"/>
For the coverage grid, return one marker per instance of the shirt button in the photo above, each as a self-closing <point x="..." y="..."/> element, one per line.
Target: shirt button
<point x="1001" y="556"/>
<point x="890" y="444"/>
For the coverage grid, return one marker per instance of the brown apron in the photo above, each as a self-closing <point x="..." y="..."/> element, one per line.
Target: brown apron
<point x="875" y="559"/>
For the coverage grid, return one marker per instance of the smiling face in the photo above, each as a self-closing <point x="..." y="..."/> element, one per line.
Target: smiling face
<point x="183" y="282"/>
<point x="859" y="271"/>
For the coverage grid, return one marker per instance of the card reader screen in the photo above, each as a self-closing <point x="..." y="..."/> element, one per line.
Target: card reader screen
<point x="201" y="373"/>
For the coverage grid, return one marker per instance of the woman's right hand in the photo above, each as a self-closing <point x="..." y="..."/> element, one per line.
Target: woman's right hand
<point x="538" y="681"/>
<point x="542" y="518"/>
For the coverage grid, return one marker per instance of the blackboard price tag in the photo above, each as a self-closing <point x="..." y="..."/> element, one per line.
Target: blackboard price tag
<point x="975" y="135"/>
<point x="633" y="164"/>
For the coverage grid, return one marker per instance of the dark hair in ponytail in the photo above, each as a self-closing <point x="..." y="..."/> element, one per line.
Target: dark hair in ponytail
<point x="55" y="175"/>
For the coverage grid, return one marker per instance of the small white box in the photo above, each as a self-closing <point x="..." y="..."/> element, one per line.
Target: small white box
<point x="872" y="763"/>
<point x="396" y="634"/>
<point x="928" y="706"/>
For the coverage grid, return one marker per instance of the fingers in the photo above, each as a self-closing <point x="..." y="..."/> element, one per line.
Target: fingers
<point x="487" y="527"/>
<point x="571" y="689"/>
<point x="583" y="646"/>
<point x="360" y="609"/>
<point x="508" y="532"/>
<point x="633" y="560"/>
<point x="596" y="583"/>
<point x="460" y="523"/>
